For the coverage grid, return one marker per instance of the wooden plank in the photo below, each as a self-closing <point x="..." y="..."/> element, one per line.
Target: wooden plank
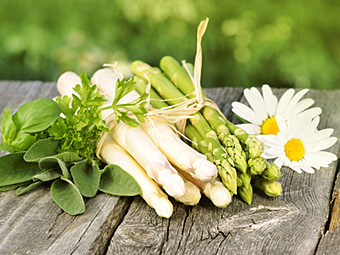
<point x="33" y="223"/>
<point x="290" y="224"/>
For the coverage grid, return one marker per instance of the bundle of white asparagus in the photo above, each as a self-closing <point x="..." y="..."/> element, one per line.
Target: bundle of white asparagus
<point x="153" y="154"/>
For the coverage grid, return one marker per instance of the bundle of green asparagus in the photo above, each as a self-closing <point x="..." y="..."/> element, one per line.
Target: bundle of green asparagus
<point x="235" y="153"/>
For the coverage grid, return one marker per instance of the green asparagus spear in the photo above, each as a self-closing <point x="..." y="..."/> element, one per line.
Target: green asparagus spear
<point x="167" y="90"/>
<point x="270" y="188"/>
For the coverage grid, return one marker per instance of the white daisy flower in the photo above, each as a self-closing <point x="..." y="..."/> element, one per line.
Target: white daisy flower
<point x="299" y="145"/>
<point x="265" y="108"/>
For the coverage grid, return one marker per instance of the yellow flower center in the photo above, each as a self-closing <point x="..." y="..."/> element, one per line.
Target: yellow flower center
<point x="294" y="149"/>
<point x="269" y="126"/>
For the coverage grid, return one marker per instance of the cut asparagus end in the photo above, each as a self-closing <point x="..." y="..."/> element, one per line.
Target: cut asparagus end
<point x="272" y="172"/>
<point x="218" y="194"/>
<point x="191" y="196"/>
<point x="172" y="183"/>
<point x="204" y="170"/>
<point x="162" y="206"/>
<point x="257" y="165"/>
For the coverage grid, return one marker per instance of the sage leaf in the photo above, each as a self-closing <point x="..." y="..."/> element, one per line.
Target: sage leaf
<point x="26" y="188"/>
<point x="86" y="176"/>
<point x="48" y="175"/>
<point x="8" y="128"/>
<point x="14" y="169"/>
<point x="67" y="196"/>
<point x="53" y="162"/>
<point x="41" y="149"/>
<point x="68" y="156"/>
<point x="36" y="115"/>
<point x="116" y="181"/>
<point x="12" y="186"/>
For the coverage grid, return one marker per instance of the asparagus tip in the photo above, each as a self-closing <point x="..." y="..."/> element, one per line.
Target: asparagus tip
<point x="204" y="169"/>
<point x="162" y="206"/>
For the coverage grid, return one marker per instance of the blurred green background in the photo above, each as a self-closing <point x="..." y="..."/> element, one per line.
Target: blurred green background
<point x="248" y="43"/>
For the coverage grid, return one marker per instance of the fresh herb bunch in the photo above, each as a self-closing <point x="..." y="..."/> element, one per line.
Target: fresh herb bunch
<point x="55" y="142"/>
<point x="80" y="127"/>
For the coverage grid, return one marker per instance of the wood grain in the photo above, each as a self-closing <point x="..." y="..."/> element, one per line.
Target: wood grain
<point x="290" y="224"/>
<point x="294" y="223"/>
<point x="33" y="223"/>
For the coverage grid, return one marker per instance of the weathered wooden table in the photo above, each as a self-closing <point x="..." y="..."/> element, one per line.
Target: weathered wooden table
<point x="297" y="222"/>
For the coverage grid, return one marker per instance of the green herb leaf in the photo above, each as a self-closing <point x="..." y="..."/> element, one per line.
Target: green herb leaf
<point x="53" y="162"/>
<point x="48" y="175"/>
<point x="22" y="142"/>
<point x="8" y="128"/>
<point x="82" y="125"/>
<point x="36" y="115"/>
<point x="86" y="176"/>
<point x="26" y="188"/>
<point x="116" y="181"/>
<point x="13" y="186"/>
<point x="41" y="149"/>
<point x="136" y="107"/>
<point x="14" y="169"/>
<point x="67" y="196"/>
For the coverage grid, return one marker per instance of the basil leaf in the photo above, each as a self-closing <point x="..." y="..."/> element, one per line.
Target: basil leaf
<point x="8" y="128"/>
<point x="5" y="147"/>
<point x="14" y="169"/>
<point x="26" y="188"/>
<point x="86" y="176"/>
<point x="116" y="181"/>
<point x="22" y="142"/>
<point x="53" y="162"/>
<point x="67" y="196"/>
<point x="48" y="175"/>
<point x="36" y="115"/>
<point x="41" y="149"/>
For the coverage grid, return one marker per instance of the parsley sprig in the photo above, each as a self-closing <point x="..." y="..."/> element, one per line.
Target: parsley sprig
<point x="136" y="107"/>
<point x="80" y="127"/>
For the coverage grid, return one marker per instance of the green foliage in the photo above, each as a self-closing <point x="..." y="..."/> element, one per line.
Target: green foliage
<point x="13" y="169"/>
<point x="116" y="181"/>
<point x="32" y="117"/>
<point x="283" y="43"/>
<point x="80" y="129"/>
<point x="72" y="178"/>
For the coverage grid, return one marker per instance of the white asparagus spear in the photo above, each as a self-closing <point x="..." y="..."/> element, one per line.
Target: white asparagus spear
<point x="144" y="151"/>
<point x="177" y="152"/>
<point x="214" y="190"/>
<point x="112" y="153"/>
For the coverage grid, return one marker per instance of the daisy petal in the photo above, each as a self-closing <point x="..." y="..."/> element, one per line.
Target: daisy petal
<point x="284" y="102"/>
<point x="251" y="129"/>
<point x="303" y="105"/>
<point x="270" y="100"/>
<point x="295" y="100"/>
<point x="311" y="113"/>
<point x="246" y="113"/>
<point x="321" y="145"/>
<point x="322" y="134"/>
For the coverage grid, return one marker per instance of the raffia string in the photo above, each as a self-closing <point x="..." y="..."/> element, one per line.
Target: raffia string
<point x="180" y="113"/>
